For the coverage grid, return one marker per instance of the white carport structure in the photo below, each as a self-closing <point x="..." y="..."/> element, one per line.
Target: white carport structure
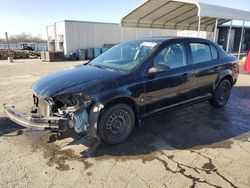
<point x="183" y="15"/>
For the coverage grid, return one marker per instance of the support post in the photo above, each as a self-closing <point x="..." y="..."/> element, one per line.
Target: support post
<point x="122" y="34"/>
<point x="137" y="33"/>
<point x="10" y="59"/>
<point x="229" y="36"/>
<point x="199" y="26"/>
<point x="215" y="29"/>
<point x="241" y="39"/>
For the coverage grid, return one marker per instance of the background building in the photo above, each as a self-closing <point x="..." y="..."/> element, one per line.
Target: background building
<point x="70" y="36"/>
<point x="235" y="36"/>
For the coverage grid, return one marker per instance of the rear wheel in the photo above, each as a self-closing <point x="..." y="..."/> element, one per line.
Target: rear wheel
<point x="116" y="124"/>
<point x="221" y="94"/>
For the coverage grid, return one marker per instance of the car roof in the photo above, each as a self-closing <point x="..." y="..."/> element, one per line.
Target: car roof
<point x="165" y="39"/>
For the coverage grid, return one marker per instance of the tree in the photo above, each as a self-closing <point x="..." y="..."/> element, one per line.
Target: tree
<point x="24" y="38"/>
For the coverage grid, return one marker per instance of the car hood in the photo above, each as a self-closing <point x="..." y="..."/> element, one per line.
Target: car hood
<point x="72" y="80"/>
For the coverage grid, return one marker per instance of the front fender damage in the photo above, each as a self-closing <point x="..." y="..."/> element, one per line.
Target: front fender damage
<point x="86" y="120"/>
<point x="81" y="110"/>
<point x="93" y="118"/>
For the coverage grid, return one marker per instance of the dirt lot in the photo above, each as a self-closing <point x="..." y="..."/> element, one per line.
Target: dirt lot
<point x="198" y="146"/>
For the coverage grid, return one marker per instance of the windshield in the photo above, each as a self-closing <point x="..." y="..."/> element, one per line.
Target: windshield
<point x="124" y="56"/>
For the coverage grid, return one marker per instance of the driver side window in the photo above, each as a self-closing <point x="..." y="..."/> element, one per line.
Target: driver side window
<point x="173" y="56"/>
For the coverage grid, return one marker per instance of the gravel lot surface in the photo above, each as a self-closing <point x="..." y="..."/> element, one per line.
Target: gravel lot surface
<point x="197" y="146"/>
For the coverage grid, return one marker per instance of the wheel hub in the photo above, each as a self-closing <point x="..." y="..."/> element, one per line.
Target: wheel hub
<point x="117" y="123"/>
<point x="224" y="93"/>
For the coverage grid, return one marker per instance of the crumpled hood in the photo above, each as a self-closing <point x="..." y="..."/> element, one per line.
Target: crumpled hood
<point x="72" y="80"/>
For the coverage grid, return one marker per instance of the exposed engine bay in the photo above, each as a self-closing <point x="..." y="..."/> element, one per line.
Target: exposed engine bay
<point x="60" y="113"/>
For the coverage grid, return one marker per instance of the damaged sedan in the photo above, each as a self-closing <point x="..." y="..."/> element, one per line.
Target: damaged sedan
<point x="133" y="80"/>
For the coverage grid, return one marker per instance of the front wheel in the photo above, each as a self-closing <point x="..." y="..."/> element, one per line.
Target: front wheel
<point x="116" y="124"/>
<point x="221" y="94"/>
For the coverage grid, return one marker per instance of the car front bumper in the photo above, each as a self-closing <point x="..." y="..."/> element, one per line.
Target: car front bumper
<point x="35" y="122"/>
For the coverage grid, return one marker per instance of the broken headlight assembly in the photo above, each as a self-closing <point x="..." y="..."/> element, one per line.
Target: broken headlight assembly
<point x="75" y="108"/>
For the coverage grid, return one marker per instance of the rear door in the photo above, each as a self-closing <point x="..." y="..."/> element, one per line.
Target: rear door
<point x="204" y="57"/>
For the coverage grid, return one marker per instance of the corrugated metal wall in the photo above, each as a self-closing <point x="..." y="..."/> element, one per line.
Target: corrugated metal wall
<point x="36" y="47"/>
<point x="12" y="46"/>
<point x="82" y="35"/>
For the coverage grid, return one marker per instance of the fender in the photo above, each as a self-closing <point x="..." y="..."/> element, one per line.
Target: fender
<point x="122" y="95"/>
<point x="222" y="75"/>
<point x="106" y="96"/>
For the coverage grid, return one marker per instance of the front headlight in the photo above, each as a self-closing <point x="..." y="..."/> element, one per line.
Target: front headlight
<point x="69" y="103"/>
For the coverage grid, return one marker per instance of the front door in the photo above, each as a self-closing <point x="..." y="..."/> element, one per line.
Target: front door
<point x="171" y="87"/>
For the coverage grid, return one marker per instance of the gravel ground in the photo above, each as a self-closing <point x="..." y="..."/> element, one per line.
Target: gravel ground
<point x="197" y="146"/>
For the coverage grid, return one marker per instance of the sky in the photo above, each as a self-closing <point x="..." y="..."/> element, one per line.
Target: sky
<point x="32" y="16"/>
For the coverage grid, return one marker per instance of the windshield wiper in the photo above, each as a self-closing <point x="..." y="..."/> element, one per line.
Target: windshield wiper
<point x="99" y="66"/>
<point x="104" y="67"/>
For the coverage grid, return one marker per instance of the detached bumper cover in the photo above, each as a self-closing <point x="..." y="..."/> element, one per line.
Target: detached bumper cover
<point x="35" y="122"/>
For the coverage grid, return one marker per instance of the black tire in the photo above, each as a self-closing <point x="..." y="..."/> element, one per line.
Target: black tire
<point x="221" y="94"/>
<point x="116" y="123"/>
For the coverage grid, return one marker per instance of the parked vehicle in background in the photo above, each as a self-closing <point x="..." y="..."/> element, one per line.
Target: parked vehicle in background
<point x="131" y="81"/>
<point x="26" y="47"/>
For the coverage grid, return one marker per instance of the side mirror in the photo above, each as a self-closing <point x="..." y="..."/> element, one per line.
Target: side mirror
<point x="158" y="68"/>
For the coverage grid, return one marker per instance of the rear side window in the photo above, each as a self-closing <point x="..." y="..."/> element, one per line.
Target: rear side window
<point x="214" y="52"/>
<point x="201" y="52"/>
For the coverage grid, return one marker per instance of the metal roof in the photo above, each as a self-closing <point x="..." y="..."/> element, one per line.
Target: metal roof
<point x="181" y="14"/>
